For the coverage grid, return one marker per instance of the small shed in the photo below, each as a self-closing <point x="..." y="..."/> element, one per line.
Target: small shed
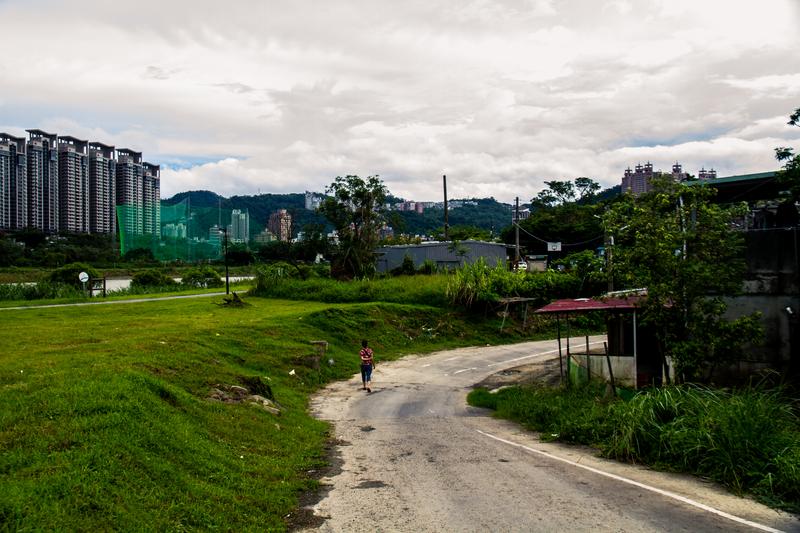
<point x="445" y="254"/>
<point x="630" y="356"/>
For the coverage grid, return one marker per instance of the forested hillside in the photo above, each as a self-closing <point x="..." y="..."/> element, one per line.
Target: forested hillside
<point x="487" y="213"/>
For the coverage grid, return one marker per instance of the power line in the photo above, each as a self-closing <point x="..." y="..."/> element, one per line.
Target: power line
<point x="562" y="244"/>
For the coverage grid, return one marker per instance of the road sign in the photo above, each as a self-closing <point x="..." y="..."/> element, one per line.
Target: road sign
<point x="83" y="277"/>
<point x="553" y="246"/>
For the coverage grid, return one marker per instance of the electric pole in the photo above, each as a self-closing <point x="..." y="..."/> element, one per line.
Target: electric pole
<point x="516" y="233"/>
<point x="446" y="225"/>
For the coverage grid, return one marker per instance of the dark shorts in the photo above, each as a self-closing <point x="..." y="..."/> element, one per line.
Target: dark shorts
<point x="366" y="372"/>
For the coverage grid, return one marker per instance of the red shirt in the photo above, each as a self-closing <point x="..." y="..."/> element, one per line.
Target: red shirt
<point x="366" y="356"/>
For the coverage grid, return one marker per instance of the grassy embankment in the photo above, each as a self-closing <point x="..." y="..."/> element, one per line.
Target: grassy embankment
<point x="748" y="440"/>
<point x="106" y="422"/>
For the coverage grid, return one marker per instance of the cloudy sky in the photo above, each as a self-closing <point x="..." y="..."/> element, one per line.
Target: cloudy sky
<point x="246" y="96"/>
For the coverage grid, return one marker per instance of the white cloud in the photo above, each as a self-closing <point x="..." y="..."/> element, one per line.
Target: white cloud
<point x="500" y="96"/>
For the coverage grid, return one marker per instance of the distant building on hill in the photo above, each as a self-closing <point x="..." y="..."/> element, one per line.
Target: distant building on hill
<point x="265" y="237"/>
<point x="640" y="179"/>
<point x="314" y="200"/>
<point x="280" y="224"/>
<point x="239" y="230"/>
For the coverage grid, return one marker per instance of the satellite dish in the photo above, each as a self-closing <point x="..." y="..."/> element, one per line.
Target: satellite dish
<point x="83" y="277"/>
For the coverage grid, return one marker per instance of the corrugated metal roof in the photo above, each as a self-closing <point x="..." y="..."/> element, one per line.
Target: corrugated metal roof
<point x="589" y="304"/>
<point x="733" y="179"/>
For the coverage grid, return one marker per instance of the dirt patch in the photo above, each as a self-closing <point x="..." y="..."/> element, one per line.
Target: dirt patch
<point x="303" y="518"/>
<point x="543" y="372"/>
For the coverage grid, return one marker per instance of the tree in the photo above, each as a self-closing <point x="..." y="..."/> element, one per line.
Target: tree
<point x="563" y="192"/>
<point x="791" y="166"/>
<point x="683" y="249"/>
<point x="586" y="188"/>
<point x="355" y="209"/>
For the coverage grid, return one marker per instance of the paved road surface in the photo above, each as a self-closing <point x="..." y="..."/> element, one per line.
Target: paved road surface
<point x="415" y="457"/>
<point x="116" y="302"/>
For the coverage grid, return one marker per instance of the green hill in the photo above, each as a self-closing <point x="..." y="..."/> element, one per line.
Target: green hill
<point x="211" y="208"/>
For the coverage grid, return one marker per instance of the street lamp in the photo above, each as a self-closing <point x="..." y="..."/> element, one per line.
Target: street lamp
<point x="225" y="256"/>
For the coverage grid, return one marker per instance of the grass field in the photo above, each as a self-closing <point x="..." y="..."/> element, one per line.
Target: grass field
<point x="106" y="421"/>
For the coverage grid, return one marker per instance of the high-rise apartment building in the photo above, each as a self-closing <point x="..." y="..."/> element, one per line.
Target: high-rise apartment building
<point x="13" y="182"/>
<point x="151" y="199"/>
<point x="313" y="200"/>
<point x="280" y="224"/>
<point x="43" y="181"/>
<point x="239" y="230"/>
<point x="60" y="183"/>
<point x="73" y="185"/>
<point x="640" y="180"/>
<point x="130" y="191"/>
<point x="102" y="188"/>
<point x="704" y="174"/>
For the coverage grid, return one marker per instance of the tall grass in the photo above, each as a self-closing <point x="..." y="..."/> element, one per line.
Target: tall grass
<point x="426" y="290"/>
<point x="748" y="439"/>
<point x="479" y="283"/>
<point x="38" y="291"/>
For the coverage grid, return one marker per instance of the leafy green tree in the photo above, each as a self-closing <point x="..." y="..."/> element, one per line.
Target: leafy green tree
<point x="315" y="241"/>
<point x="587" y="188"/>
<point x="355" y="209"/>
<point x="791" y="161"/>
<point x="202" y="277"/>
<point x="463" y="233"/>
<point x="238" y="254"/>
<point x="683" y="249"/>
<point x="575" y="226"/>
<point x="11" y="253"/>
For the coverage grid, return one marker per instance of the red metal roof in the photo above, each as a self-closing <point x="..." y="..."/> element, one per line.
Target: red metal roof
<point x="588" y="304"/>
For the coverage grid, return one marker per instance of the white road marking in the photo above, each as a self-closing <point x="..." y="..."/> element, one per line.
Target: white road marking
<point x="426" y="366"/>
<point x="534" y="355"/>
<point x="464" y="370"/>
<point x="666" y="493"/>
<point x="451" y="359"/>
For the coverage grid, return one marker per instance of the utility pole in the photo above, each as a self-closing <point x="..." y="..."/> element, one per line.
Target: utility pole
<point x="446" y="225"/>
<point x="516" y="233"/>
<point x="227" y="279"/>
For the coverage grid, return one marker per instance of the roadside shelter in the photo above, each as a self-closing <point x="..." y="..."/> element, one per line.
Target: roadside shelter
<point x="630" y="356"/>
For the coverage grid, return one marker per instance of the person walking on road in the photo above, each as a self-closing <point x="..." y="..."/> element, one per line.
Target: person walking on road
<point x="367" y="364"/>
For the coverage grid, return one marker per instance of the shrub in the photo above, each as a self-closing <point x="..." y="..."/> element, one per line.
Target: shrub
<point x="406" y="268"/>
<point x="152" y="278"/>
<point x="428" y="267"/>
<point x="68" y="274"/>
<point x="202" y="277"/>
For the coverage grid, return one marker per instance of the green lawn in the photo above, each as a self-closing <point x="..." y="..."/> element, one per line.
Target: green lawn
<point x="105" y="421"/>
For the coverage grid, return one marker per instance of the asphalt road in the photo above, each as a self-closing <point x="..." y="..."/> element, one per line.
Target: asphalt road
<point x="413" y="456"/>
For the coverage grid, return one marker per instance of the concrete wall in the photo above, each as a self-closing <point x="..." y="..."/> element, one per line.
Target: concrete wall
<point x="771" y="286"/>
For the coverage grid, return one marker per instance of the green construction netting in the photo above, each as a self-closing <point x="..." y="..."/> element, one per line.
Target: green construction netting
<point x="180" y="232"/>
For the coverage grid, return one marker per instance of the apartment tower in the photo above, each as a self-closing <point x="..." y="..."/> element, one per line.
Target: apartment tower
<point x="102" y="188"/>
<point x="13" y="182"/>
<point x="280" y="224"/>
<point x="130" y="189"/>
<point x="151" y="199"/>
<point x="239" y="230"/>
<point x="43" y="181"/>
<point x="73" y="185"/>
